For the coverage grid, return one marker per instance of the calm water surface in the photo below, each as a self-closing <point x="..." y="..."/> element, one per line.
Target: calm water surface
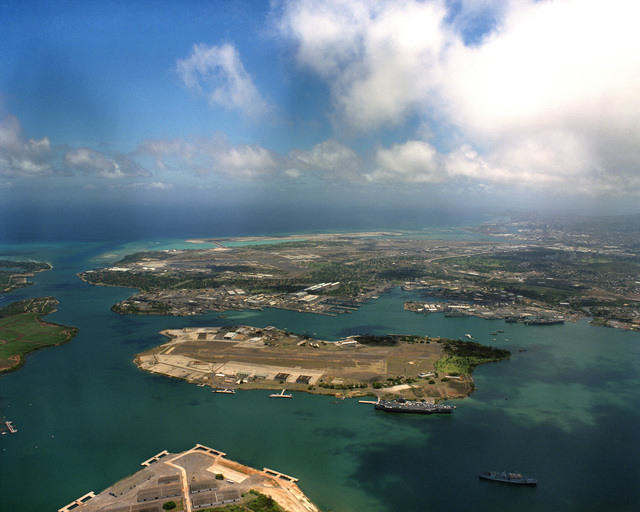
<point x="565" y="411"/>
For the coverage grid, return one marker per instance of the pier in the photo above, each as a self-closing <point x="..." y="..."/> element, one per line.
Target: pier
<point x="281" y="395"/>
<point x="277" y="474"/>
<point x="206" y="449"/>
<point x="155" y="458"/>
<point x="76" y="503"/>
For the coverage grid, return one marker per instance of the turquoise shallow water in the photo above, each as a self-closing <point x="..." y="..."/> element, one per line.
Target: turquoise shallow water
<point x="565" y="411"/>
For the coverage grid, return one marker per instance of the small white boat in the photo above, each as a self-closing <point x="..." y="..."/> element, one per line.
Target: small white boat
<point x="280" y="395"/>
<point x="226" y="390"/>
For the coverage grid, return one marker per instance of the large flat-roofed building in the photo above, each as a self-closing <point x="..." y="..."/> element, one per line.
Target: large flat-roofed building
<point x="160" y="492"/>
<point x="143" y="507"/>
<point x="164" y="480"/>
<point x="211" y="485"/>
<point x="211" y="499"/>
<point x="147" y="507"/>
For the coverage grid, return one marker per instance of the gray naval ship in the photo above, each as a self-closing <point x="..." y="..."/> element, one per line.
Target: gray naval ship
<point x="508" y="478"/>
<point x="404" y="405"/>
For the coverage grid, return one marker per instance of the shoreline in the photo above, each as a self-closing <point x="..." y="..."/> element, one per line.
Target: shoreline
<point x="292" y="237"/>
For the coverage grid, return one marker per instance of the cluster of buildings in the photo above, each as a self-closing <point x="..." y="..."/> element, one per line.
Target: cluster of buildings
<point x="186" y="302"/>
<point x="197" y="479"/>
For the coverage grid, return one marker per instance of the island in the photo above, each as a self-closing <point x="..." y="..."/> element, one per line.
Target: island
<point x="532" y="270"/>
<point x="22" y="330"/>
<point x="197" y="479"/>
<point x="246" y="357"/>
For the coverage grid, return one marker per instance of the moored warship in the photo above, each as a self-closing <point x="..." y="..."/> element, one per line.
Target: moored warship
<point x="404" y="405"/>
<point x="508" y="478"/>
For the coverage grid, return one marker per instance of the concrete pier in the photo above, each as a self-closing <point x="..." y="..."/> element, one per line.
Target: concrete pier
<point x="155" y="458"/>
<point x="76" y="503"/>
<point x="277" y="474"/>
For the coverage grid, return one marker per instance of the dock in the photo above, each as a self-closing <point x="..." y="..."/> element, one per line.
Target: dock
<point x="76" y="503"/>
<point x="278" y="474"/>
<point x="280" y="395"/>
<point x="210" y="451"/>
<point x="155" y="458"/>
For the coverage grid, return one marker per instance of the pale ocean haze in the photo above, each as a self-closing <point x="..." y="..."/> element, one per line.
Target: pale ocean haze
<point x="105" y="222"/>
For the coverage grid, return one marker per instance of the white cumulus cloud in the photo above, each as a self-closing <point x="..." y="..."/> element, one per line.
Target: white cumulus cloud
<point x="414" y="161"/>
<point x="547" y="98"/>
<point x="20" y="156"/>
<point x="329" y="159"/>
<point x="218" y="73"/>
<point x="96" y="163"/>
<point x="378" y="58"/>
<point x="213" y="155"/>
<point x="155" y="185"/>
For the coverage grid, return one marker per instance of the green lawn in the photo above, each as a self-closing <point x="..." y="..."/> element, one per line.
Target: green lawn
<point x="254" y="501"/>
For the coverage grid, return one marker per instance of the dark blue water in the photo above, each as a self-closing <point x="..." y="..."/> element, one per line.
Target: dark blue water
<point x="565" y="411"/>
<point x="215" y="216"/>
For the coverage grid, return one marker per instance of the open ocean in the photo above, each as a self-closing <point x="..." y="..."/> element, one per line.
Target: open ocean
<point x="565" y="411"/>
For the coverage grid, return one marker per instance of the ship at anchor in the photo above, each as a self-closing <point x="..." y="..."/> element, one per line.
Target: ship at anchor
<point x="508" y="478"/>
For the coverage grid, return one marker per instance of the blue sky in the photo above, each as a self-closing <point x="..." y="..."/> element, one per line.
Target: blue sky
<point x="485" y="104"/>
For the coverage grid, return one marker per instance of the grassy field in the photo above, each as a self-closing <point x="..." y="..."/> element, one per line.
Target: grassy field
<point x="22" y="330"/>
<point x="461" y="357"/>
<point x="254" y="501"/>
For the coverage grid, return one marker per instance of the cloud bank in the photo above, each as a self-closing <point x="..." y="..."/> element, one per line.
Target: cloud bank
<point x="211" y="156"/>
<point x="433" y="96"/>
<point x="548" y="98"/>
<point x="95" y="163"/>
<point x="28" y="158"/>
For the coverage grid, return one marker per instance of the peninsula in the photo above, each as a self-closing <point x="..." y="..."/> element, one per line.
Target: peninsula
<point x="15" y="274"/>
<point x="197" y="479"/>
<point x="245" y="357"/>
<point x="22" y="330"/>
